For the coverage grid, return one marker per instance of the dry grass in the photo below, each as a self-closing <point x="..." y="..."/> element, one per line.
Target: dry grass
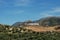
<point x="41" y="29"/>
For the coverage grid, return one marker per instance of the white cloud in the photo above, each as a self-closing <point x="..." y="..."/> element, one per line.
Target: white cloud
<point x="52" y="12"/>
<point x="56" y="9"/>
<point x="2" y="2"/>
<point x="22" y="2"/>
<point x="18" y="12"/>
<point x="5" y="3"/>
<point x="15" y="3"/>
<point x="13" y="12"/>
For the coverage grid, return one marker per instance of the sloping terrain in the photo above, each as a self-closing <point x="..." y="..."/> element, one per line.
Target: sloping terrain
<point x="48" y="21"/>
<point x="42" y="29"/>
<point x="28" y="33"/>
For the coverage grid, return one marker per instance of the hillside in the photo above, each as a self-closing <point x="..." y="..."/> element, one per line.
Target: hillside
<point x="48" y="21"/>
<point x="21" y="33"/>
<point x="43" y="29"/>
<point x="48" y="29"/>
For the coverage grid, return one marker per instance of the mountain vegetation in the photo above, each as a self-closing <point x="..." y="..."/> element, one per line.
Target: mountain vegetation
<point x="15" y="32"/>
<point x="48" y="21"/>
<point x="19" y="33"/>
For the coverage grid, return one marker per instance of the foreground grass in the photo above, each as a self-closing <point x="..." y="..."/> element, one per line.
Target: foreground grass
<point x="17" y="33"/>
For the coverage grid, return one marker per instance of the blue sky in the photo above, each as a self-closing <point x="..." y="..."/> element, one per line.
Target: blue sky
<point x="12" y="11"/>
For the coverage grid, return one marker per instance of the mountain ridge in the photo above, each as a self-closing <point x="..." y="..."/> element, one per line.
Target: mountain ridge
<point x="47" y="21"/>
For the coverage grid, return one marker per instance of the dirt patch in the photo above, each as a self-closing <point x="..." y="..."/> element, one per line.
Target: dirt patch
<point x="41" y="29"/>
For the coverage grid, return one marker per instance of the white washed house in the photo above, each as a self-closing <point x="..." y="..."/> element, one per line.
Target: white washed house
<point x="32" y="24"/>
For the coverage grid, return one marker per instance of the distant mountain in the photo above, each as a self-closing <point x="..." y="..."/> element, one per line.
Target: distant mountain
<point x="48" y="21"/>
<point x="17" y="24"/>
<point x="21" y="23"/>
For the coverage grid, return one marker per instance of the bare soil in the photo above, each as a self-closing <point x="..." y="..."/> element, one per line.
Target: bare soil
<point x="41" y="28"/>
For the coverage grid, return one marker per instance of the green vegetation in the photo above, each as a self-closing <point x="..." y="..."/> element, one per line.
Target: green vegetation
<point x="18" y="33"/>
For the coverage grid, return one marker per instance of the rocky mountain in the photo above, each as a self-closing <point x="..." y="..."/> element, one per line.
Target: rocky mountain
<point x="48" y="21"/>
<point x="17" y="24"/>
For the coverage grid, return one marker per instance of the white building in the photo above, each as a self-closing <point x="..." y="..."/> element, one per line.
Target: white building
<point x="33" y="24"/>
